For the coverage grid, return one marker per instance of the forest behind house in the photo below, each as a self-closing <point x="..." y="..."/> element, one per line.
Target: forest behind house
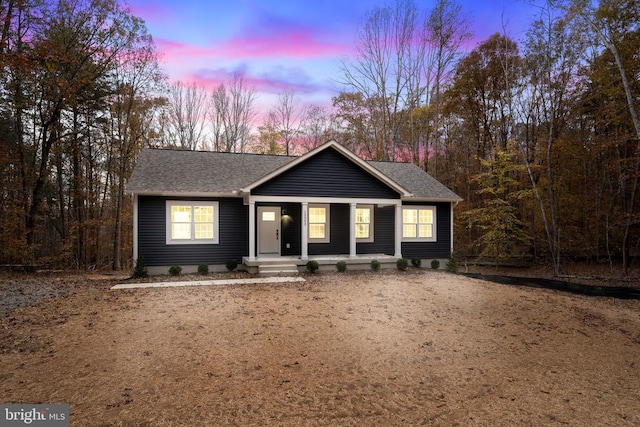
<point x="539" y="134"/>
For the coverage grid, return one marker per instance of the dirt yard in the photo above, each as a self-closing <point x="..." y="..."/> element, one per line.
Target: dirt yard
<point x="365" y="349"/>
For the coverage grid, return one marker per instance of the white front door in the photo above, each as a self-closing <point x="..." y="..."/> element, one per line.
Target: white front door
<point x="268" y="230"/>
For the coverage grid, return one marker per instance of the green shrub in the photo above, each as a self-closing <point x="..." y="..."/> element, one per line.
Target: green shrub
<point x="452" y="265"/>
<point x="140" y="269"/>
<point x="435" y="264"/>
<point x="203" y="269"/>
<point x="402" y="264"/>
<point x="231" y="265"/>
<point x="312" y="266"/>
<point x="341" y="266"/>
<point x="375" y="265"/>
<point x="416" y="262"/>
<point x="175" y="270"/>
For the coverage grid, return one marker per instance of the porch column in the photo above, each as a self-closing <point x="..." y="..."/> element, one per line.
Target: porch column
<point x="135" y="228"/>
<point x="252" y="230"/>
<point x="352" y="230"/>
<point x="305" y="232"/>
<point x="398" y="252"/>
<point x="451" y="222"/>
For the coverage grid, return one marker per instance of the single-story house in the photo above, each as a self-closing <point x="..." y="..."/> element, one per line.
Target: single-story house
<point x="274" y="213"/>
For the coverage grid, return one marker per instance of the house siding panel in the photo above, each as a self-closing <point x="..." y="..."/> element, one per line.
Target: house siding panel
<point x="233" y="229"/>
<point x="383" y="233"/>
<point x="442" y="247"/>
<point x="339" y="237"/>
<point x="327" y="174"/>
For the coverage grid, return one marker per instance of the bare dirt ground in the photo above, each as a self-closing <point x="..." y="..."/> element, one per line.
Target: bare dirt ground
<point x="417" y="348"/>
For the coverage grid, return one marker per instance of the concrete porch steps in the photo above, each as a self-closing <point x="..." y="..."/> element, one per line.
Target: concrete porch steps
<point x="277" y="269"/>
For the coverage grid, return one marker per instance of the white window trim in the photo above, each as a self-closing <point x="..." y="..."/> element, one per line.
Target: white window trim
<point x="371" y="230"/>
<point x="193" y="240"/>
<point x="435" y="223"/>
<point x="327" y="226"/>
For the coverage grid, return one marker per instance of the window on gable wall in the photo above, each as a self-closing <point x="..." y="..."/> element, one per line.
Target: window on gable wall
<point x="364" y="223"/>
<point x="319" y="223"/>
<point x="192" y="222"/>
<point x="418" y="223"/>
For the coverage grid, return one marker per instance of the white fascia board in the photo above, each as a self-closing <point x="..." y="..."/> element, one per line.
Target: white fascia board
<point x="430" y="199"/>
<point x="184" y="194"/>
<point x="351" y="156"/>
<point x="336" y="200"/>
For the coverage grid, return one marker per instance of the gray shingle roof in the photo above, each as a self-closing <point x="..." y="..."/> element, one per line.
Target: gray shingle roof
<point x="418" y="182"/>
<point x="163" y="171"/>
<point x="178" y="171"/>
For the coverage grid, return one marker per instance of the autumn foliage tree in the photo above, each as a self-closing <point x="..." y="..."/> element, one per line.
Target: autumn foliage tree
<point x="57" y="77"/>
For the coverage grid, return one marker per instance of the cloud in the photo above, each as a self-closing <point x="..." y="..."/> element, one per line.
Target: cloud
<point x="274" y="80"/>
<point x="284" y="43"/>
<point x="293" y="44"/>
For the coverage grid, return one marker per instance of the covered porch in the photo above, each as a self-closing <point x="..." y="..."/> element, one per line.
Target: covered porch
<point x="288" y="228"/>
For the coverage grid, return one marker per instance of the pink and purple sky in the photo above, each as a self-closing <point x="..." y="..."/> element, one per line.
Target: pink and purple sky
<point x="285" y="44"/>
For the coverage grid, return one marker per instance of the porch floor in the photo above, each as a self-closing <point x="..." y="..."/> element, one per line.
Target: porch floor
<point x="325" y="262"/>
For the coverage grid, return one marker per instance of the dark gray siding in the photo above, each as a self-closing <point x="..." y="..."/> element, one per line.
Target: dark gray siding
<point x="339" y="237"/>
<point x="327" y="174"/>
<point x="383" y="233"/>
<point x="291" y="229"/>
<point x="233" y="229"/>
<point x="442" y="247"/>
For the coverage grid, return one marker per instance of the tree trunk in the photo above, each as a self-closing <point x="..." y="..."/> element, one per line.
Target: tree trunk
<point x="49" y="137"/>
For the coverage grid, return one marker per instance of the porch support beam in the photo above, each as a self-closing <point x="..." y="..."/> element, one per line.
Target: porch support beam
<point x="398" y="233"/>
<point x="252" y="230"/>
<point x="304" y="255"/>
<point x="352" y="230"/>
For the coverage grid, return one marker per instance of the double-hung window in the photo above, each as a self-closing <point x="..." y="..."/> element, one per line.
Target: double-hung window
<point x="192" y="222"/>
<point x="319" y="223"/>
<point x="418" y="223"/>
<point x="364" y="223"/>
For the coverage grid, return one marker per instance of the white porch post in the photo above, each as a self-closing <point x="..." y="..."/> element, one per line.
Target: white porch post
<point x="252" y="230"/>
<point x="398" y="242"/>
<point x="135" y="228"/>
<point x="305" y="231"/>
<point x="451" y="223"/>
<point x="352" y="230"/>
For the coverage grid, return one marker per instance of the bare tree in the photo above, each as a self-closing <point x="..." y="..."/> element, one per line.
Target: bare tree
<point x="317" y="127"/>
<point x="553" y="50"/>
<point x="231" y="114"/>
<point x="286" y="118"/>
<point x="446" y="30"/>
<point x="384" y="70"/>
<point x="185" y="116"/>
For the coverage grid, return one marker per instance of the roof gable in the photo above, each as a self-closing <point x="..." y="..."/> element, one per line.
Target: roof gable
<point x="344" y="152"/>
<point x="327" y="174"/>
